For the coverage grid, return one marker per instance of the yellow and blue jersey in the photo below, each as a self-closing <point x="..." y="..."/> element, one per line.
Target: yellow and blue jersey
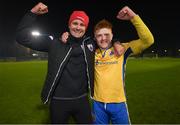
<point x="109" y="83"/>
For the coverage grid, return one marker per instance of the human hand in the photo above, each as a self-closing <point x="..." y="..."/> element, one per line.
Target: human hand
<point x="39" y="9"/>
<point x="126" y="13"/>
<point x="64" y="37"/>
<point x="118" y="49"/>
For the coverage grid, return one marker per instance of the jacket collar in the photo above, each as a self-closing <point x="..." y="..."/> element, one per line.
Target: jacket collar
<point x="73" y="40"/>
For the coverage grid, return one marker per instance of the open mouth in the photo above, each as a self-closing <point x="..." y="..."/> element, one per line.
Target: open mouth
<point x="77" y="32"/>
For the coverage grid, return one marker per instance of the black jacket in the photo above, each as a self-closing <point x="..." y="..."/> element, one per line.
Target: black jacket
<point x="58" y="53"/>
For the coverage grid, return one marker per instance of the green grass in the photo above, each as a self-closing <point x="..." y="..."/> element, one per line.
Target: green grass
<point x="152" y="87"/>
<point x="20" y="87"/>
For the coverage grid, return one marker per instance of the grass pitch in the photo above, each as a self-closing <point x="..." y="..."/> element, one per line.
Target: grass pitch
<point x="152" y="88"/>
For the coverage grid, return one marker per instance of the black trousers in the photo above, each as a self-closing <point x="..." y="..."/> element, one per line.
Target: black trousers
<point x="62" y="110"/>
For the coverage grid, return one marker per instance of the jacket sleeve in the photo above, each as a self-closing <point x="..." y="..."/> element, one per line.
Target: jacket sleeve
<point x="25" y="38"/>
<point x="145" y="40"/>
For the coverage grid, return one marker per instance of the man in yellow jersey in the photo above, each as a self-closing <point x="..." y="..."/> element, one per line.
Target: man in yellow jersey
<point x="109" y="104"/>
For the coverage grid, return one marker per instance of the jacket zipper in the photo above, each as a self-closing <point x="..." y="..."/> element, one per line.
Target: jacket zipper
<point x="87" y="68"/>
<point x="57" y="74"/>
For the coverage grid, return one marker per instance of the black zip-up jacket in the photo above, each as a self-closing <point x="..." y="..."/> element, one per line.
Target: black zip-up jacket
<point x="58" y="53"/>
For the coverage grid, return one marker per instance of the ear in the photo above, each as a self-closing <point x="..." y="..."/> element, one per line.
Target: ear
<point x="112" y="36"/>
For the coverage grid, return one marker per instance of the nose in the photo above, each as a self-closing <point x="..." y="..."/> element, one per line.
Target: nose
<point x="78" y="27"/>
<point x="103" y="37"/>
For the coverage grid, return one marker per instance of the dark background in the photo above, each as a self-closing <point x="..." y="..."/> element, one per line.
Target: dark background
<point x="162" y="18"/>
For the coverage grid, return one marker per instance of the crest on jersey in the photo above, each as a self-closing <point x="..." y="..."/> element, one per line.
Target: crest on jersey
<point x="90" y="47"/>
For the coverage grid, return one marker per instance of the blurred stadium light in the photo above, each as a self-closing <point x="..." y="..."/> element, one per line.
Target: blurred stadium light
<point x="37" y="33"/>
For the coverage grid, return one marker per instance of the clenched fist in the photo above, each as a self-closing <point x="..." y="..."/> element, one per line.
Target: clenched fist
<point x="125" y="13"/>
<point x="39" y="9"/>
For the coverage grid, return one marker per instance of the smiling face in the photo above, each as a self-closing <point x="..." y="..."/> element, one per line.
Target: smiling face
<point x="103" y="37"/>
<point x="77" y="28"/>
<point x="103" y="34"/>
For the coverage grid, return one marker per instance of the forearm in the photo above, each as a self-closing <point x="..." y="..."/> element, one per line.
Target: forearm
<point x="145" y="36"/>
<point x="24" y="36"/>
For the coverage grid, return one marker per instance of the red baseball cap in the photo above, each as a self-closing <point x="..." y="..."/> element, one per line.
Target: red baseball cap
<point x="81" y="15"/>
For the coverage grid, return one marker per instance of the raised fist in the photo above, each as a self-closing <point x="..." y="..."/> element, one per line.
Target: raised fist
<point x="125" y="13"/>
<point x="39" y="9"/>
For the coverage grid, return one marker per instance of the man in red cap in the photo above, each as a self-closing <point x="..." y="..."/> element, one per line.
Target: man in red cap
<point x="70" y="66"/>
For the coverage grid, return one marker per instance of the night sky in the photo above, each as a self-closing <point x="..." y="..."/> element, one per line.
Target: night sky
<point x="162" y="18"/>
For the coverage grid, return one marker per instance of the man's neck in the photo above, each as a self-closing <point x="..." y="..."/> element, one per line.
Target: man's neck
<point x="108" y="47"/>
